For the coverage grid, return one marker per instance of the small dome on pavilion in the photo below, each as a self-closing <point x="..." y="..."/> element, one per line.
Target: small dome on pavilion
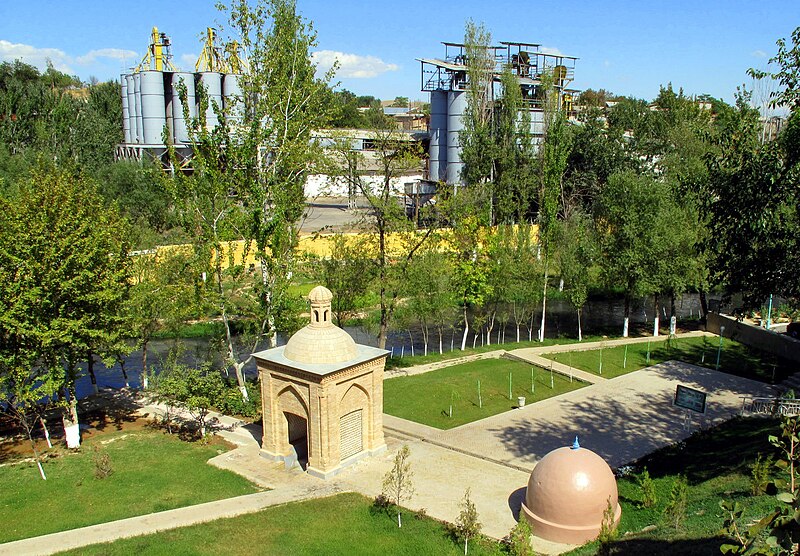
<point x="568" y="492"/>
<point x="320" y="341"/>
<point x="320" y="294"/>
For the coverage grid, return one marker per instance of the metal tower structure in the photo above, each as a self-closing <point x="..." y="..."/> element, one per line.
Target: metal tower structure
<point x="446" y="79"/>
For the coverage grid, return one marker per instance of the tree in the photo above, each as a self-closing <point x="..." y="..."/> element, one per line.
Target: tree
<point x="754" y="218"/>
<point x="429" y="294"/>
<point x="788" y="74"/>
<point x="347" y="273"/>
<point x="476" y="138"/>
<point x="400" y="102"/>
<point x="394" y="240"/>
<point x="576" y="255"/>
<point x="397" y="483"/>
<point x="467" y="524"/>
<point x="553" y="158"/>
<point x="191" y="389"/>
<point x="161" y="297"/>
<point x="633" y="220"/>
<point x="261" y="151"/>
<point x="64" y="260"/>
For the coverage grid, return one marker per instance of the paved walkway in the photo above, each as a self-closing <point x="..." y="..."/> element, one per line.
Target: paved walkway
<point x="621" y="419"/>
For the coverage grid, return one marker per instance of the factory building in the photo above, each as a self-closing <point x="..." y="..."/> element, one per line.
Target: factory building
<point x="446" y="80"/>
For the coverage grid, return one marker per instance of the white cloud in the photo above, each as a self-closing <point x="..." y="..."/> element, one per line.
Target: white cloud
<point x="758" y="54"/>
<point x="351" y="66"/>
<point x="188" y="61"/>
<point x="37" y="57"/>
<point x="112" y="53"/>
<point x="551" y="50"/>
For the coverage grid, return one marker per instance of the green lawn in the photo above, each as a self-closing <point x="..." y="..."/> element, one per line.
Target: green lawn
<point x="345" y="524"/>
<point x="426" y="398"/>
<point x="717" y="464"/>
<point x="152" y="472"/>
<point x="735" y="358"/>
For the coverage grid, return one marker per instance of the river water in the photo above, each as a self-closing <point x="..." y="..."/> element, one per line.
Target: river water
<point x="599" y="316"/>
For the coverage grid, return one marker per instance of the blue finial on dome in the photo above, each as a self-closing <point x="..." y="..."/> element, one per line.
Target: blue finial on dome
<point x="576" y="444"/>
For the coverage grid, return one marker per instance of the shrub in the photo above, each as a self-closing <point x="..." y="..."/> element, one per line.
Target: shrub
<point x="760" y="475"/>
<point x="675" y="511"/>
<point x="102" y="464"/>
<point x="648" y="489"/>
<point x="608" y="529"/>
<point x="519" y="539"/>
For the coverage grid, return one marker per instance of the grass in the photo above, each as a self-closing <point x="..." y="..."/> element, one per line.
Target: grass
<point x="152" y="472"/>
<point x="717" y="464"/>
<point x="735" y="358"/>
<point x="426" y="398"/>
<point x="345" y="524"/>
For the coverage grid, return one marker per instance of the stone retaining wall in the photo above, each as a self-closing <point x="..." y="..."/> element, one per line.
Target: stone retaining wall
<point x="754" y="336"/>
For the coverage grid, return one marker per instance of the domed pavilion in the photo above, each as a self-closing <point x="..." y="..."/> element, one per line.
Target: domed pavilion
<point x="568" y="492"/>
<point x="321" y="395"/>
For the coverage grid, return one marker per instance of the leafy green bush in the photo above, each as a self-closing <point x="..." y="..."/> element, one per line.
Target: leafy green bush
<point x="230" y="401"/>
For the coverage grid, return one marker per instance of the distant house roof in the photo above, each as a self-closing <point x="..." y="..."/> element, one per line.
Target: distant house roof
<point x="395" y="110"/>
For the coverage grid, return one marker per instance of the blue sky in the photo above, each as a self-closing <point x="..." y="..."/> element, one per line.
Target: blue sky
<point x="628" y="47"/>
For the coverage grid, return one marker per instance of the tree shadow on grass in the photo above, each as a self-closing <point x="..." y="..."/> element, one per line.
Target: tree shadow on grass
<point x="653" y="547"/>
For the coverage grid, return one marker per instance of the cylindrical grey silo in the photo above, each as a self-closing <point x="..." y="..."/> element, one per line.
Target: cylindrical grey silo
<point x="537" y="126"/>
<point x="437" y="151"/>
<point x="178" y="121"/>
<point x="212" y="82"/>
<point x="234" y="101"/>
<point x="153" y="107"/>
<point x="126" y="117"/>
<point x="137" y="90"/>
<point x="456" y="103"/>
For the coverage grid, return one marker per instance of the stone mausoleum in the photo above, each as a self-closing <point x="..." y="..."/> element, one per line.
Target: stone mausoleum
<point x="321" y="395"/>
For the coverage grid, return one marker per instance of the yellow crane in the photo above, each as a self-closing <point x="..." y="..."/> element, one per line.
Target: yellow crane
<point x="212" y="57"/>
<point x="159" y="56"/>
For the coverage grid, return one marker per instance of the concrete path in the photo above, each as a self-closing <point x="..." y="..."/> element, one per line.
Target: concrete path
<point x="621" y="419"/>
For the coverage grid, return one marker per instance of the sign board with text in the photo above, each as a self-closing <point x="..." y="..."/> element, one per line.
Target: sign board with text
<point x="689" y="398"/>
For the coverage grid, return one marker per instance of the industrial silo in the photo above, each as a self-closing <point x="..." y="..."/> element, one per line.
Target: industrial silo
<point x="137" y="89"/>
<point x="456" y="103"/>
<point x="131" y="92"/>
<point x="126" y="117"/>
<point x="437" y="151"/>
<point x="211" y="81"/>
<point x="153" y="108"/>
<point x="180" y="129"/>
<point x="234" y="103"/>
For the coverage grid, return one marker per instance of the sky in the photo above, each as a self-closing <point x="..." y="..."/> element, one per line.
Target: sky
<point x="628" y="47"/>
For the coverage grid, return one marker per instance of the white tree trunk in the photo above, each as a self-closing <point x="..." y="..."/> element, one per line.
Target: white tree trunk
<point x="466" y="331"/>
<point x="625" y="328"/>
<point x="673" y="325"/>
<point x="72" y="431"/>
<point x="580" y="332"/>
<point x="46" y="432"/>
<point x="655" y="326"/>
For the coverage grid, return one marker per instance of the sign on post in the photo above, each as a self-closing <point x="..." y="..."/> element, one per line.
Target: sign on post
<point x="689" y="398"/>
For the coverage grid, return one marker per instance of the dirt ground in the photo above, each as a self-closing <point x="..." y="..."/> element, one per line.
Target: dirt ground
<point x="102" y="414"/>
